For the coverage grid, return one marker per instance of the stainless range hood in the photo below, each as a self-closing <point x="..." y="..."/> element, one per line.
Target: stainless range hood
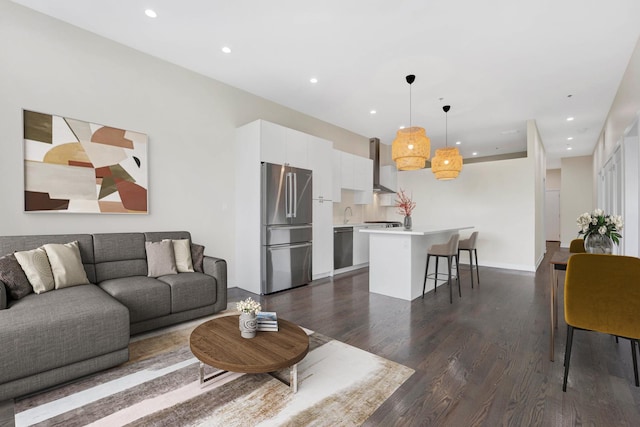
<point x="384" y="169"/>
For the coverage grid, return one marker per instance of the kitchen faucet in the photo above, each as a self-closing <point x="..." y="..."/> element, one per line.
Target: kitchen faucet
<point x="346" y="220"/>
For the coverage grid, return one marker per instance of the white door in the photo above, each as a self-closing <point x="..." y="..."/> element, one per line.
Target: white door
<point x="552" y="215"/>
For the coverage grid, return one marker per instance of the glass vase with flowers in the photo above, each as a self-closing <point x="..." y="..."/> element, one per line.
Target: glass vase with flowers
<point x="600" y="231"/>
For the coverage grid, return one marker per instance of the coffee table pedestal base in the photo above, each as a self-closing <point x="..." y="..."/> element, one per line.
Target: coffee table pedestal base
<point x="292" y="383"/>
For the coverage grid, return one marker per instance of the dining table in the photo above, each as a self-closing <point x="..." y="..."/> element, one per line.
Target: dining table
<point x="558" y="262"/>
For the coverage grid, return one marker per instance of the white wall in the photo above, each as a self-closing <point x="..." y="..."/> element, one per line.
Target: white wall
<point x="622" y="121"/>
<point x="52" y="67"/>
<point x="537" y="156"/>
<point x="553" y="180"/>
<point x="497" y="198"/>
<point x="576" y="195"/>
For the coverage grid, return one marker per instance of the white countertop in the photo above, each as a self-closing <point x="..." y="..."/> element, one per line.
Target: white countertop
<point x="359" y="224"/>
<point x="423" y="232"/>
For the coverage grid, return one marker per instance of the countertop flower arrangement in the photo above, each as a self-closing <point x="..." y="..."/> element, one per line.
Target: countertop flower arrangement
<point x="597" y="222"/>
<point x="404" y="203"/>
<point x="248" y="306"/>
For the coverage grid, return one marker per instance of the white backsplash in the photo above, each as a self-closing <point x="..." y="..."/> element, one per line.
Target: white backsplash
<point x="361" y="213"/>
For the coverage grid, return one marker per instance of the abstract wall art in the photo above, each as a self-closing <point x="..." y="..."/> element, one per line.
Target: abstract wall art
<point x="80" y="167"/>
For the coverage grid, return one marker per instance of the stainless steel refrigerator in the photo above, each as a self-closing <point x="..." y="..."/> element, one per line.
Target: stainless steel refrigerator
<point x="286" y="212"/>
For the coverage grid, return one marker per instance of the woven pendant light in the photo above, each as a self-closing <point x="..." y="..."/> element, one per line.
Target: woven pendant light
<point x="447" y="161"/>
<point x="412" y="148"/>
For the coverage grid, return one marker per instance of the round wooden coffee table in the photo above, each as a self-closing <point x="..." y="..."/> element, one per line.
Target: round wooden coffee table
<point x="218" y="343"/>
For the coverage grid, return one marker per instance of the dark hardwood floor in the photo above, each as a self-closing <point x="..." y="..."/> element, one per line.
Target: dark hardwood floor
<point x="483" y="360"/>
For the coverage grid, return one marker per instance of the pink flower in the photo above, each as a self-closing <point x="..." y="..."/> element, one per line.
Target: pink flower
<point x="404" y="203"/>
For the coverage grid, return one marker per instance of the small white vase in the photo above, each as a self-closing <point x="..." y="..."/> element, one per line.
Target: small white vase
<point x="248" y="325"/>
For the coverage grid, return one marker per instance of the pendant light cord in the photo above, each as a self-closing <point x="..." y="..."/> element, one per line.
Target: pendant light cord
<point x="410" y="103"/>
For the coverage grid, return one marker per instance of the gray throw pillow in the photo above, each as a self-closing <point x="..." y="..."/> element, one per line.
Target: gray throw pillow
<point x="13" y="276"/>
<point x="197" y="257"/>
<point x="160" y="258"/>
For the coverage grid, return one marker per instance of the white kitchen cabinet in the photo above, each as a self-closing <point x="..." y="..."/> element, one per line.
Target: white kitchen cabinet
<point x="282" y="145"/>
<point x="322" y="257"/>
<point x="360" y="246"/>
<point x="336" y="157"/>
<point x="347" y="175"/>
<point x="362" y="174"/>
<point x="320" y="158"/>
<point x="351" y="172"/>
<point x="387" y="199"/>
<point x="363" y="181"/>
<point x="297" y="146"/>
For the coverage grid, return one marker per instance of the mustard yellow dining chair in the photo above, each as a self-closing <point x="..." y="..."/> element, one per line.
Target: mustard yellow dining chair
<point x="602" y="294"/>
<point x="577" y="246"/>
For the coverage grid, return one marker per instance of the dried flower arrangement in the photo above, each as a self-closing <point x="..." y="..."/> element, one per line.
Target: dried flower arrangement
<point x="404" y="203"/>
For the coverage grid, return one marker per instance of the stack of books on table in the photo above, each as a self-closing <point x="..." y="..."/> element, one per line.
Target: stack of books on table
<point x="267" y="321"/>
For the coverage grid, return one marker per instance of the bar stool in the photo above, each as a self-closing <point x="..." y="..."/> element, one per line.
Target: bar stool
<point x="448" y="250"/>
<point x="470" y="245"/>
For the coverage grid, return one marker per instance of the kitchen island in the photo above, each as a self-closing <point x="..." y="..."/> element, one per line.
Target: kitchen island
<point x="397" y="259"/>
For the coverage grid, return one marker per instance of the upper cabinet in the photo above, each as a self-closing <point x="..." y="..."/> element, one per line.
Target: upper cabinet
<point x="336" y="157"/>
<point x="351" y="172"/>
<point x="282" y="145"/>
<point x="320" y="153"/>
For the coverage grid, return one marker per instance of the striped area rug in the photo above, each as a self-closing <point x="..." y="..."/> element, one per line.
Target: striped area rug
<point x="338" y="385"/>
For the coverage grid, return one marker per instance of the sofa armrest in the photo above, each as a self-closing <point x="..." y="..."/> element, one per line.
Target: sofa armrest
<point x="217" y="267"/>
<point x="4" y="296"/>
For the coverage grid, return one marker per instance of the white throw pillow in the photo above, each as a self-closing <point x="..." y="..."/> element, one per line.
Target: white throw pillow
<point x="160" y="258"/>
<point x="182" y="253"/>
<point x="37" y="269"/>
<point x="66" y="264"/>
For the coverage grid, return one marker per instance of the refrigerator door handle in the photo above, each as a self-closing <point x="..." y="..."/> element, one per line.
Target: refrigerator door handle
<point x="295" y="194"/>
<point x="287" y="195"/>
<point x="289" y="246"/>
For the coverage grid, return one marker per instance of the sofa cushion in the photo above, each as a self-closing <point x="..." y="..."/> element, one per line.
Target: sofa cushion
<point x="13" y="276"/>
<point x="145" y="297"/>
<point x="160" y="258"/>
<point x="37" y="269"/>
<point x="190" y="290"/>
<point x="53" y="329"/>
<point x="66" y="264"/>
<point x="119" y="255"/>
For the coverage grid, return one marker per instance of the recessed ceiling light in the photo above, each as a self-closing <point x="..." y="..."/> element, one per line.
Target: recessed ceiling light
<point x="569" y="148"/>
<point x="151" y="13"/>
<point x="458" y="142"/>
<point x="372" y="112"/>
<point x="475" y="153"/>
<point x="313" y="80"/>
<point x="569" y="119"/>
<point x="570" y="138"/>
<point x="226" y="49"/>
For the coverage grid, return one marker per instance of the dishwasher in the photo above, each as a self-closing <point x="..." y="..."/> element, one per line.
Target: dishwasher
<point x="342" y="247"/>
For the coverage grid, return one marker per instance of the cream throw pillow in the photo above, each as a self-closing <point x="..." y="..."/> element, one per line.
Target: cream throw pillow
<point x="182" y="253"/>
<point x="66" y="264"/>
<point x="37" y="269"/>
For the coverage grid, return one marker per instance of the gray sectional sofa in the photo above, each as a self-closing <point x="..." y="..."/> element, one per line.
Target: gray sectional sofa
<point x="57" y="336"/>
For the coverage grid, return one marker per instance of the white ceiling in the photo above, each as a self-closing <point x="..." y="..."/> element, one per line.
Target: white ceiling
<point x="497" y="63"/>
